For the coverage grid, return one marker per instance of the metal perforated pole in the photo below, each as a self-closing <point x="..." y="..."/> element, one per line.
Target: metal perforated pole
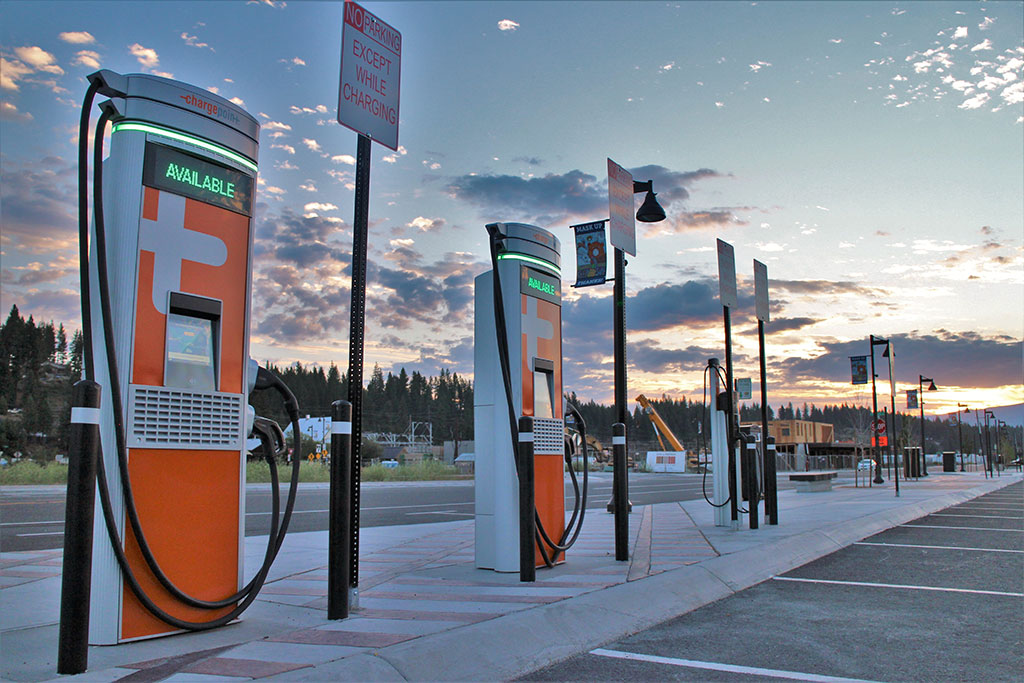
<point x="76" y="578"/>
<point x="356" y="328"/>
<point x="527" y="505"/>
<point x="339" y="542"/>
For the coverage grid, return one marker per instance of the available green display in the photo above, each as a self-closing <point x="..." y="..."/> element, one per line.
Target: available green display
<point x="170" y="169"/>
<point x="540" y="285"/>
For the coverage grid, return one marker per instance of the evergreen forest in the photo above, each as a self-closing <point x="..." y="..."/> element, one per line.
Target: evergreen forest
<point x="39" y="364"/>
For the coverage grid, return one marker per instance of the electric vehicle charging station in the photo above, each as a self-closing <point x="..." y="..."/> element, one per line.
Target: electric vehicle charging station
<point x="720" y="452"/>
<point x="175" y="203"/>
<point x="527" y="304"/>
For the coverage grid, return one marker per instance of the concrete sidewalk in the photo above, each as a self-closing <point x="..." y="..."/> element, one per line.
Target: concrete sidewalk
<point x="425" y="612"/>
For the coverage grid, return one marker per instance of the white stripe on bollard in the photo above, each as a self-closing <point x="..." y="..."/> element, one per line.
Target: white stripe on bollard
<point x="618" y="441"/>
<point x="86" y="416"/>
<point x="525" y="436"/>
<point x="341" y="427"/>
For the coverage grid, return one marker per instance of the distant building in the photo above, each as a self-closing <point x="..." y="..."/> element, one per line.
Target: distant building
<point x="800" y="431"/>
<point x="798" y="443"/>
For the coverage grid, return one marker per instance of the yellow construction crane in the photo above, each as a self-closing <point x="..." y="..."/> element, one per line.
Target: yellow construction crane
<point x="664" y="434"/>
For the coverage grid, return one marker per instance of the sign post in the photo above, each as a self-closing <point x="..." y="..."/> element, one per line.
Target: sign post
<point x="622" y="234"/>
<point x="727" y="295"/>
<point x="368" y="97"/>
<point x="771" y="502"/>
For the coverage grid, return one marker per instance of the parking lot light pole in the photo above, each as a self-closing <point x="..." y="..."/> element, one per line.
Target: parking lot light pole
<point x="921" y="379"/>
<point x="875" y="341"/>
<point x="960" y="433"/>
<point x="989" y="467"/>
<point x="649" y="212"/>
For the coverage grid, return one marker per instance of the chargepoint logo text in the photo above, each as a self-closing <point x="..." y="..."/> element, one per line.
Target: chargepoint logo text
<point x="209" y="108"/>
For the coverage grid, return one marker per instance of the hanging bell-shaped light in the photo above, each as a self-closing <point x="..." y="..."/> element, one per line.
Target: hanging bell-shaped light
<point x="650" y="211"/>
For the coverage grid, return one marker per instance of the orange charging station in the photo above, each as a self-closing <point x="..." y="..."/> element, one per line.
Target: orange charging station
<point x="178" y="190"/>
<point x="531" y="297"/>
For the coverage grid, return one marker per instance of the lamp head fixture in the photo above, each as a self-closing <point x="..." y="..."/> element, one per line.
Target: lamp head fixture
<point x="650" y="211"/>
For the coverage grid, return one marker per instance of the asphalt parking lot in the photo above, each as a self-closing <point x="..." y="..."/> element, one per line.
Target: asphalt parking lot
<point x="939" y="598"/>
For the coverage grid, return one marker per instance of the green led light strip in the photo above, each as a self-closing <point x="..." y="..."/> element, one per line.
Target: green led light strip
<point x="182" y="137"/>
<point x="530" y="259"/>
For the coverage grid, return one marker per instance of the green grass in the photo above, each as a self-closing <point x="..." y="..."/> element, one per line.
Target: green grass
<point x="30" y="472"/>
<point x="258" y="472"/>
<point x="428" y="470"/>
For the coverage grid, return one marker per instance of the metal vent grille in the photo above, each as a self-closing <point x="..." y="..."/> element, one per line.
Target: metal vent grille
<point x="548" y="436"/>
<point x="161" y="417"/>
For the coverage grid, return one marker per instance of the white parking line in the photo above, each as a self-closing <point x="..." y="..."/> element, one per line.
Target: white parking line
<point x="946" y="514"/>
<point x="716" y="666"/>
<point x="43" y="533"/>
<point x="898" y="585"/>
<point x="968" y="528"/>
<point x="441" y="512"/>
<point x="940" y="547"/>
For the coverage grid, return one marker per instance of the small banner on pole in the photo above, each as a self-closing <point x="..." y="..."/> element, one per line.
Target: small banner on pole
<point x="859" y="369"/>
<point x="591" y="254"/>
<point x="744" y="387"/>
<point x="911" y="399"/>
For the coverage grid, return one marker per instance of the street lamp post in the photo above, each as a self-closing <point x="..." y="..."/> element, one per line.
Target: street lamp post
<point x="890" y="353"/>
<point x="999" y="454"/>
<point x="959" y="432"/>
<point x="875" y="341"/>
<point x="981" y="439"/>
<point x="988" y="443"/>
<point x="649" y="212"/>
<point x="921" y="379"/>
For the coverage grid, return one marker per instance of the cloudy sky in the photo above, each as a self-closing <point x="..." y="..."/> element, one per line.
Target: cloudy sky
<point x="869" y="153"/>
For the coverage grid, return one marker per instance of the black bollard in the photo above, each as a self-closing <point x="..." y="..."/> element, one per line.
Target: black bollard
<point x="771" y="496"/>
<point x="339" y="542"/>
<point x="73" y="637"/>
<point x="620" y="492"/>
<point x="527" y="503"/>
<point x="750" y="482"/>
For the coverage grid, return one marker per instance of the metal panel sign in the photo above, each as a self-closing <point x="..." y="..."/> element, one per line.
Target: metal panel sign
<point x="744" y="387"/>
<point x="761" y="290"/>
<point x="622" y="222"/>
<point x="727" y="275"/>
<point x="371" y="65"/>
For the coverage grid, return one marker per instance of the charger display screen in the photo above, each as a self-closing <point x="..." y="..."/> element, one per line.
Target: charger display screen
<point x="190" y="352"/>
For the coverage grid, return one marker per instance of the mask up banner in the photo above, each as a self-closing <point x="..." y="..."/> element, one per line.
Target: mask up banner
<point x="591" y="254"/>
<point x="911" y="399"/>
<point x="859" y="369"/>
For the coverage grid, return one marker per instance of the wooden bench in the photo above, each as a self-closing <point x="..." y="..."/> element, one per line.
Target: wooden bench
<point x="807" y="482"/>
